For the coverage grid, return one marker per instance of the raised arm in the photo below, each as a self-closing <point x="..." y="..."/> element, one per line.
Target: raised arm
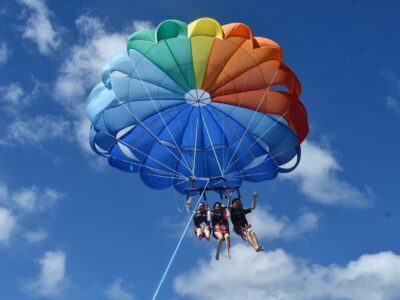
<point x="254" y="200"/>
<point x="229" y="195"/>
<point x="189" y="205"/>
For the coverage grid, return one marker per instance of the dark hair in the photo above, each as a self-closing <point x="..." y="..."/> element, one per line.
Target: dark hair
<point x="201" y="202"/>
<point x="215" y="204"/>
<point x="235" y="200"/>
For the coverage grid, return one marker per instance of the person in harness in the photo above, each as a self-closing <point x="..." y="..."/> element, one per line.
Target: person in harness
<point x="201" y="218"/>
<point x="239" y="220"/>
<point x="220" y="223"/>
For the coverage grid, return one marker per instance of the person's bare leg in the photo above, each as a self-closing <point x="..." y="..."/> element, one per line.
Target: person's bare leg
<point x="256" y="243"/>
<point x="249" y="239"/>
<point x="199" y="233"/>
<point x="228" y="245"/>
<point x="220" y="241"/>
<point x="207" y="233"/>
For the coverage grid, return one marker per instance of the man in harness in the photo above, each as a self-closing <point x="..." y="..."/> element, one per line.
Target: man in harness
<point x="240" y="224"/>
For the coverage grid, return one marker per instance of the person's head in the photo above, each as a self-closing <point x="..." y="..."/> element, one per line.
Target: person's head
<point x="217" y="205"/>
<point x="236" y="203"/>
<point x="201" y="206"/>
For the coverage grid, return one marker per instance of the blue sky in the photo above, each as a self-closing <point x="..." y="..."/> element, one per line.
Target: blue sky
<point x="72" y="227"/>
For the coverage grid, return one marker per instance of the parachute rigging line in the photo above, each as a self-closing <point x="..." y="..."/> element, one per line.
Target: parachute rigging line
<point x="155" y="136"/>
<point x="252" y="118"/>
<point x="179" y="244"/>
<point x="148" y="156"/>
<point x="260" y="137"/>
<point x="158" y="111"/>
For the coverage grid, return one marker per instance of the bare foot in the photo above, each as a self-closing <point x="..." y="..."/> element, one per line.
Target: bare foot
<point x="228" y="256"/>
<point x="259" y="249"/>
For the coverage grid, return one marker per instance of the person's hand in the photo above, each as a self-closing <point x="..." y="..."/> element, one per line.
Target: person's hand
<point x="189" y="201"/>
<point x="228" y="194"/>
<point x="255" y="194"/>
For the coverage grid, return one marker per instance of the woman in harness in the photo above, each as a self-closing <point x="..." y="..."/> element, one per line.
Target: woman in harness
<point x="201" y="218"/>
<point x="240" y="224"/>
<point x="219" y="217"/>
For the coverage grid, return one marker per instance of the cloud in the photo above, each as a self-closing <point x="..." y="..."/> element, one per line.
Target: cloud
<point x="51" y="280"/>
<point x="37" y="130"/>
<point x="81" y="70"/>
<point x="138" y="25"/>
<point x="33" y="199"/>
<point x="278" y="275"/>
<point x="8" y="224"/>
<point x="392" y="99"/>
<point x="3" y="193"/>
<point x="269" y="227"/>
<point x="11" y="95"/>
<point x="16" y="207"/>
<point x="38" y="27"/>
<point x="393" y="104"/>
<point x="118" y="292"/>
<point x="5" y="53"/>
<point x="13" y="98"/>
<point x="37" y="236"/>
<point x="318" y="178"/>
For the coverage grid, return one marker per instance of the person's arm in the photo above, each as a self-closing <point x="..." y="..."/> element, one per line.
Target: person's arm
<point x="229" y="195"/>
<point x="189" y="205"/>
<point x="254" y="200"/>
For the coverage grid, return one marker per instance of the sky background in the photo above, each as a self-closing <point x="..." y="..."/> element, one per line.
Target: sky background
<point x="71" y="227"/>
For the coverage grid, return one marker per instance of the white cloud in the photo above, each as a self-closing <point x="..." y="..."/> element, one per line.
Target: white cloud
<point x="11" y="95"/>
<point x="8" y="224"/>
<point x="81" y="70"/>
<point x="392" y="101"/>
<point x="51" y="280"/>
<point x="17" y="206"/>
<point x="38" y="27"/>
<point x="278" y="275"/>
<point x="33" y="199"/>
<point x="393" y="104"/>
<point x="269" y="227"/>
<point x="36" y="236"/>
<point x="29" y="199"/>
<point x="82" y="128"/>
<point x="118" y="292"/>
<point x="3" y="193"/>
<point x="318" y="178"/>
<point x="5" y="53"/>
<point x="141" y="24"/>
<point x="13" y="98"/>
<point x="37" y="130"/>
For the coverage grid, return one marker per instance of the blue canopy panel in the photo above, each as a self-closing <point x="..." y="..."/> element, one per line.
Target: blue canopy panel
<point x="246" y="158"/>
<point x="270" y="131"/>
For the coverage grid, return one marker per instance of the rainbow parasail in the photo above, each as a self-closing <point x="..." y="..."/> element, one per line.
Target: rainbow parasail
<point x="187" y="104"/>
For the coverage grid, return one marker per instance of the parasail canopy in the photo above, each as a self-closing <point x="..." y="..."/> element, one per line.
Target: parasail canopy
<point x="190" y="103"/>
